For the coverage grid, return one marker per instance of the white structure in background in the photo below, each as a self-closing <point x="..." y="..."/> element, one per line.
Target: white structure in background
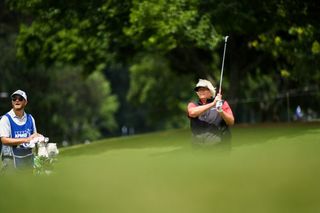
<point x="4" y="94"/>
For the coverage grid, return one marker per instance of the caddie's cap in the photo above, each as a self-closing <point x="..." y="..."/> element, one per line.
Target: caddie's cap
<point x="206" y="84"/>
<point x="21" y="93"/>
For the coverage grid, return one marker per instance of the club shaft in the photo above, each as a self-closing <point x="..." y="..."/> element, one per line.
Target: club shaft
<point x="222" y="66"/>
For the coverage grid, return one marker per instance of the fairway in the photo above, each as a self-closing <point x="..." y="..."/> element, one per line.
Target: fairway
<point x="270" y="168"/>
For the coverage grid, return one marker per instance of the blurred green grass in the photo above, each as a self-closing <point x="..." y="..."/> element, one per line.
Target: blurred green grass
<point x="270" y="168"/>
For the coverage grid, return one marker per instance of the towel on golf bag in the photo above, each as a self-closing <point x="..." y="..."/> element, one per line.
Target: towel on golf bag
<point x="34" y="141"/>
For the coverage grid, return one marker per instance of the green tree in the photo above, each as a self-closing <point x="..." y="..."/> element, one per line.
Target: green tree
<point x="79" y="107"/>
<point x="182" y="37"/>
<point x="65" y="103"/>
<point x="64" y="33"/>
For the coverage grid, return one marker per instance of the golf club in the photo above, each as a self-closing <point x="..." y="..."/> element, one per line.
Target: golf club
<point x="224" y="53"/>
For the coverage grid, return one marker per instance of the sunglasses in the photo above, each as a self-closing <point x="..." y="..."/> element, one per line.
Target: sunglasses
<point x="17" y="98"/>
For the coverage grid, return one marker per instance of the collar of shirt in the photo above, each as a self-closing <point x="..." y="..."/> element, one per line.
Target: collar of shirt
<point x="13" y="115"/>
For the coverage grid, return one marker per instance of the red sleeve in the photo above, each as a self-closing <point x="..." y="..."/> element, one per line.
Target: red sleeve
<point x="226" y="108"/>
<point x="190" y="105"/>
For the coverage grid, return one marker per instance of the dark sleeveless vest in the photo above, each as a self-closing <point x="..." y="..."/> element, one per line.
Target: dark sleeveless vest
<point x="210" y="122"/>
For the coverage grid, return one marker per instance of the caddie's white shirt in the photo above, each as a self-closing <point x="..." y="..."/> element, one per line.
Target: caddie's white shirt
<point x="5" y="129"/>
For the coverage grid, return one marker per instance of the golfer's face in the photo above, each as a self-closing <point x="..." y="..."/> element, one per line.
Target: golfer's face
<point x="204" y="93"/>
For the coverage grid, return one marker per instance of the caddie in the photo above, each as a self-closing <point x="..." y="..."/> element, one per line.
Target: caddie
<point x="17" y="129"/>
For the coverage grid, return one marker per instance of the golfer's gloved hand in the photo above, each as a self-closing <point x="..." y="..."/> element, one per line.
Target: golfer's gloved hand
<point x="219" y="106"/>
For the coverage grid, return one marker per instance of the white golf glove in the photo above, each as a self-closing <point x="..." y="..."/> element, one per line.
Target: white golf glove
<point x="219" y="106"/>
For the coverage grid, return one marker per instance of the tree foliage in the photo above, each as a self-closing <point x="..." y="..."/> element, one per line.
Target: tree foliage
<point x="292" y="41"/>
<point x="80" y="108"/>
<point x="168" y="44"/>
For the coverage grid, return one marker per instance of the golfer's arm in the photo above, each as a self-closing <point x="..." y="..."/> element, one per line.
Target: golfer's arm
<point x="227" y="117"/>
<point x="195" y="111"/>
<point x="14" y="141"/>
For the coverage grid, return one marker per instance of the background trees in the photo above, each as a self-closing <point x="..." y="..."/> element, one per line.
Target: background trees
<point x="153" y="52"/>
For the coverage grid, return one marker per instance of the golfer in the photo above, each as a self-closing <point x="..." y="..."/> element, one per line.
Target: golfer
<point x="17" y="129"/>
<point x="210" y="117"/>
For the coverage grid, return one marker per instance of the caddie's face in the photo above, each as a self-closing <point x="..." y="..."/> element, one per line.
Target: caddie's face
<point x="204" y="93"/>
<point x="18" y="102"/>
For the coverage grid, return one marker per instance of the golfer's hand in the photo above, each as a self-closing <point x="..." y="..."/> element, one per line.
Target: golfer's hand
<point x="217" y="98"/>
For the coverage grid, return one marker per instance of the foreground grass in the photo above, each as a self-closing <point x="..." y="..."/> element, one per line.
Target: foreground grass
<point x="271" y="168"/>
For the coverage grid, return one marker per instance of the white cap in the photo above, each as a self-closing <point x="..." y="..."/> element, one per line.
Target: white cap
<point x="206" y="84"/>
<point x="21" y="93"/>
